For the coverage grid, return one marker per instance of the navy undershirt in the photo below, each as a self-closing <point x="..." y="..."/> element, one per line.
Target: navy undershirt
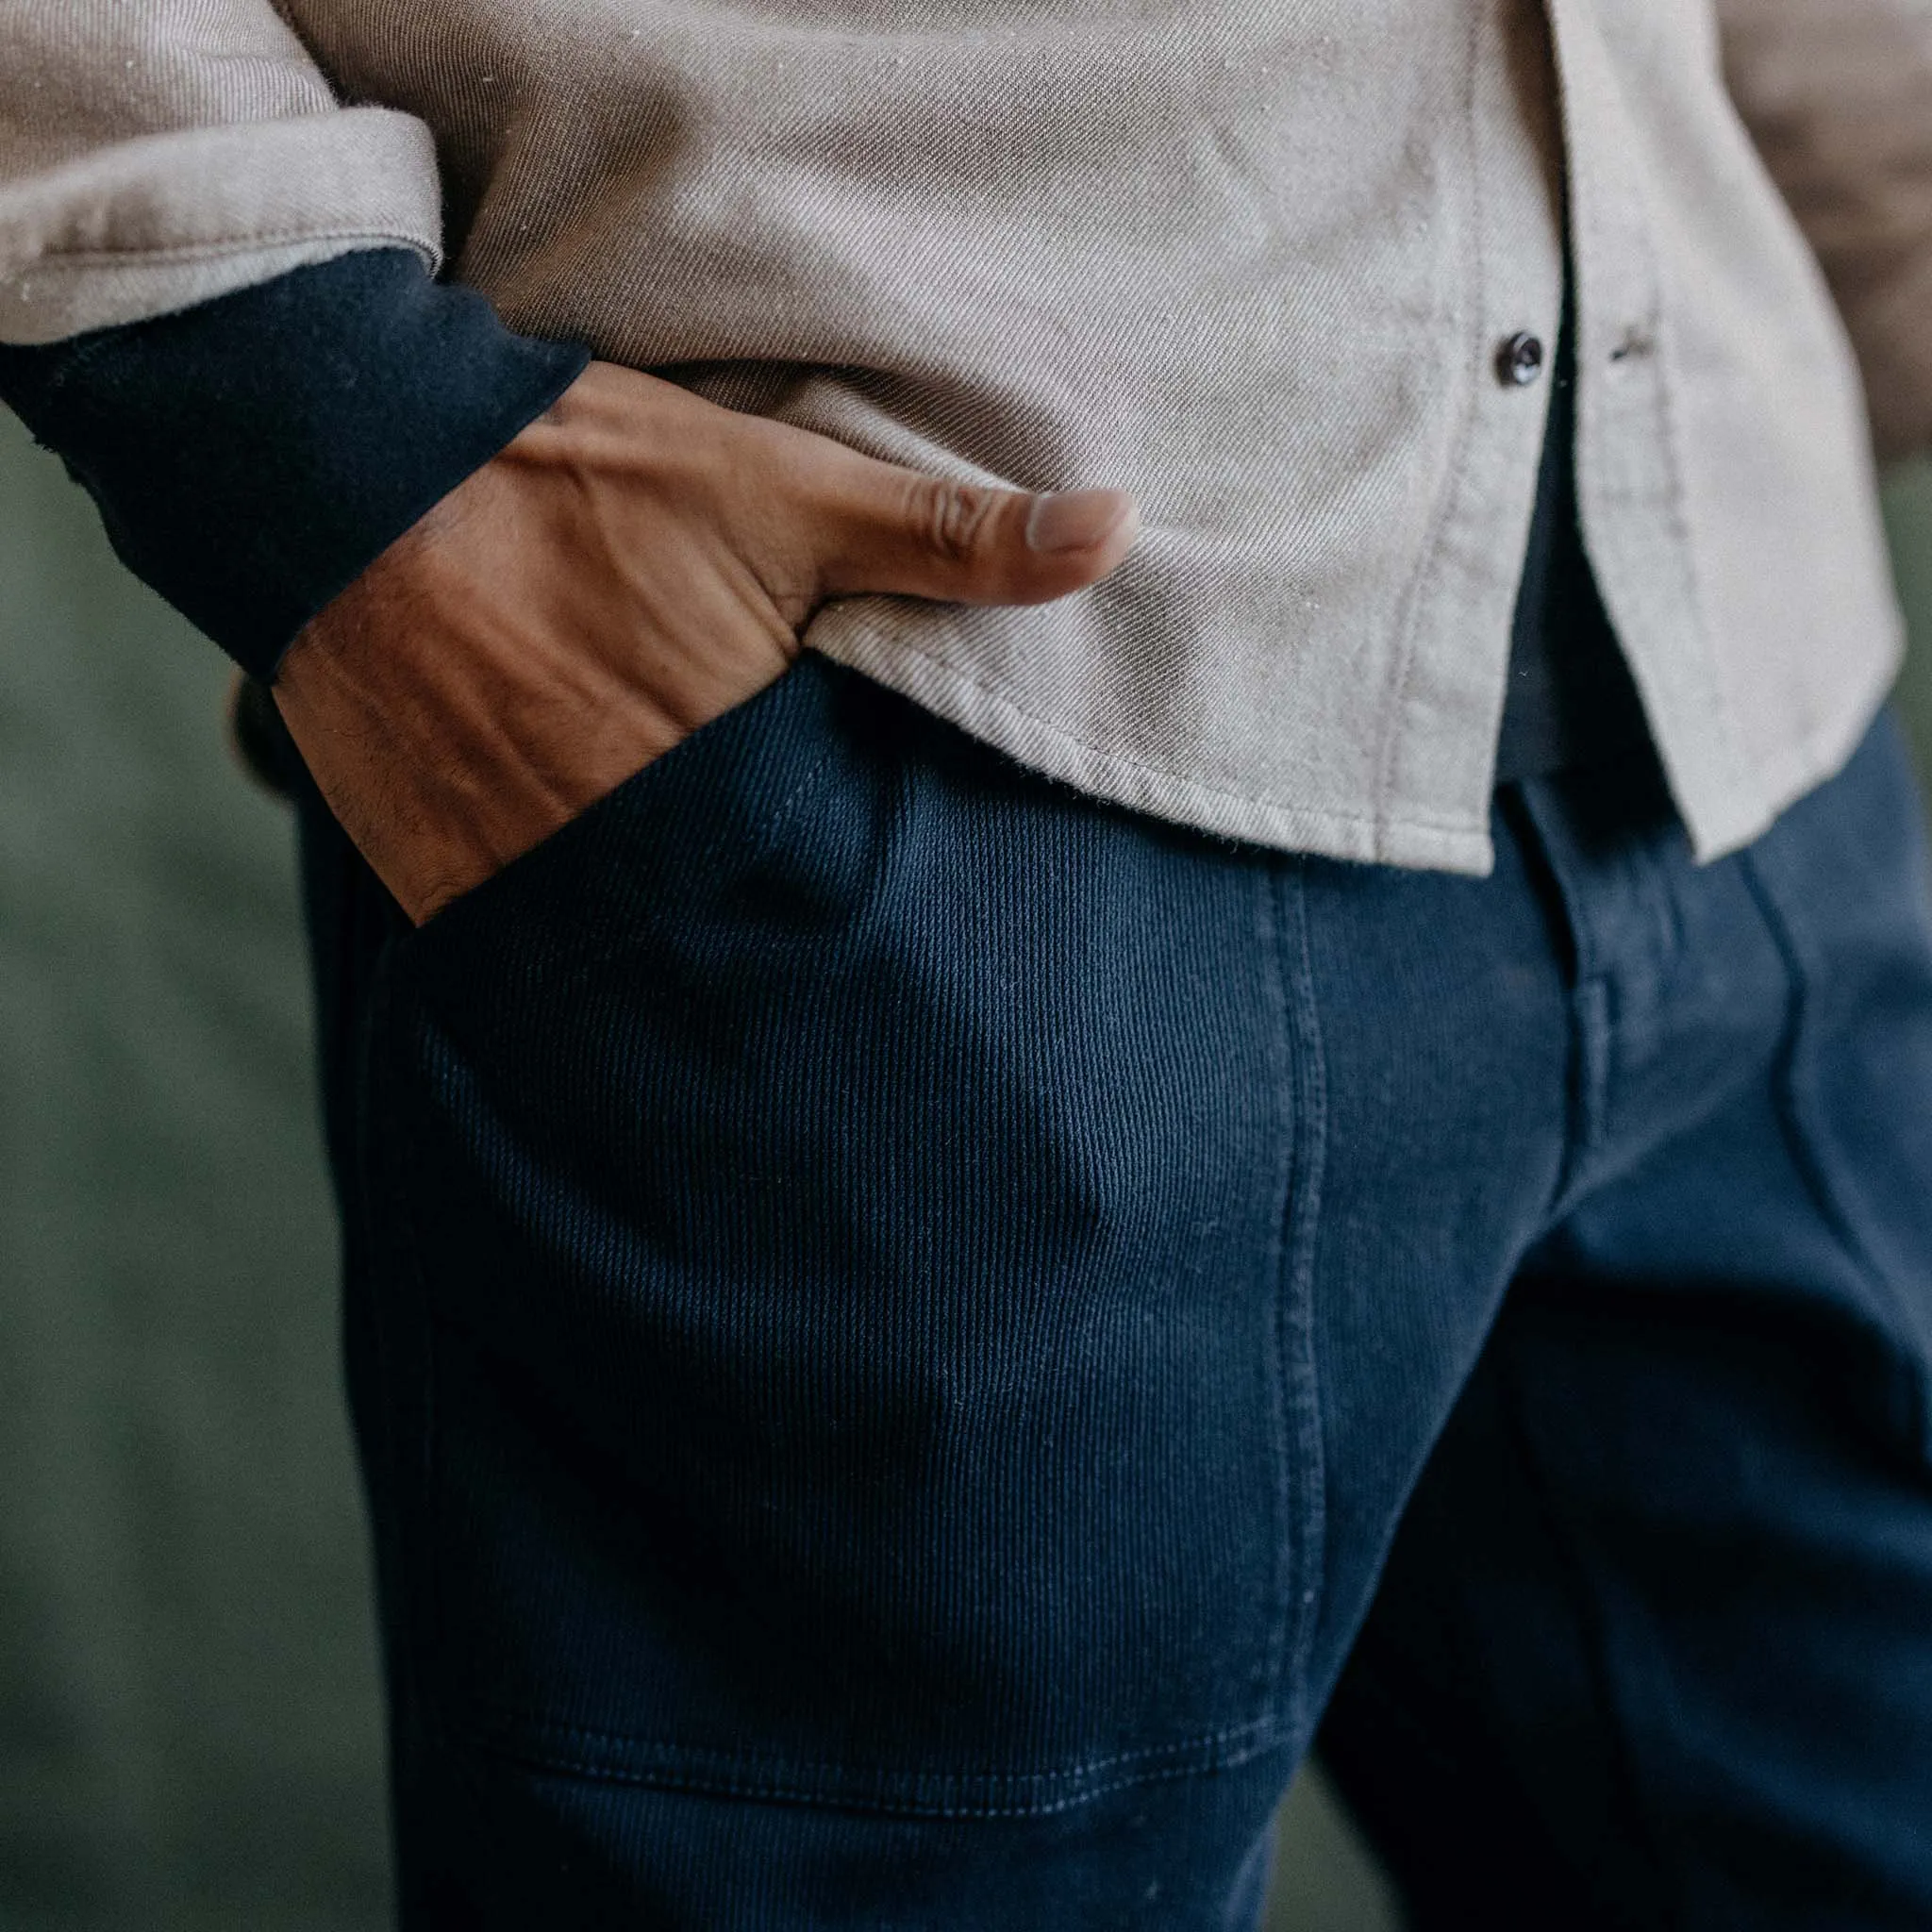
<point x="1570" y="701"/>
<point x="250" y="457"/>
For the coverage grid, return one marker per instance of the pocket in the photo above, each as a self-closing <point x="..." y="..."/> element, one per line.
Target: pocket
<point x="698" y="806"/>
<point x="853" y="1285"/>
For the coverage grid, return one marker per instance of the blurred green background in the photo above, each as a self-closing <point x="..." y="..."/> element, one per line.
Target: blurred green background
<point x="189" y="1733"/>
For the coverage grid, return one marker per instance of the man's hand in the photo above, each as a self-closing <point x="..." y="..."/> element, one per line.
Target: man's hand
<point x="638" y="561"/>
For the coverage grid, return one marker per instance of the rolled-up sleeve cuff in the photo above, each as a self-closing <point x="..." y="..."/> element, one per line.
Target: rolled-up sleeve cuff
<point x="251" y="457"/>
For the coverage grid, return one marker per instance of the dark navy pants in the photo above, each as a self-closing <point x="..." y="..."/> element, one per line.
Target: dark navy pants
<point x="911" y="1333"/>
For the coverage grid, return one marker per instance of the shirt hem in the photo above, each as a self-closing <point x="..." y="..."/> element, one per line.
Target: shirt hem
<point x="997" y="718"/>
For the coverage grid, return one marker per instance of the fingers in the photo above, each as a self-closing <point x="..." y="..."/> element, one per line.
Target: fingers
<point x="880" y="528"/>
<point x="816" y="518"/>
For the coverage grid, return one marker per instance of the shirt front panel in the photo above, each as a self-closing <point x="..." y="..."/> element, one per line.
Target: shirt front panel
<point x="1253" y="262"/>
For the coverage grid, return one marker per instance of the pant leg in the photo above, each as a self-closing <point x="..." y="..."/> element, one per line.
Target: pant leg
<point x="1655" y="1645"/>
<point x="895" y="1310"/>
<point x="350" y="919"/>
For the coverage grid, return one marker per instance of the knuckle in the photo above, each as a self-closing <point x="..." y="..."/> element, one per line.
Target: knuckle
<point x="953" y="516"/>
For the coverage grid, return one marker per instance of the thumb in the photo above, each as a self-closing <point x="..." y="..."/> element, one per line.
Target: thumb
<point x="877" y="527"/>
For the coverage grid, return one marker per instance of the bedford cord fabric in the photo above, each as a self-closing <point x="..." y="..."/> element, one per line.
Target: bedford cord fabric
<point x="1253" y="263"/>
<point x="894" y="1312"/>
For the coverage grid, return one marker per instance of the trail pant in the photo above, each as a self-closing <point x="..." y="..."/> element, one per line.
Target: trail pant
<point x="910" y="1333"/>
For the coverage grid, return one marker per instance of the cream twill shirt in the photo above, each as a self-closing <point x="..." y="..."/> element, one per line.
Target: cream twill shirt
<point x="1253" y="263"/>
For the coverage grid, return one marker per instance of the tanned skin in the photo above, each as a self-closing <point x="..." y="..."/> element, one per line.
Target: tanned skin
<point x="635" y="564"/>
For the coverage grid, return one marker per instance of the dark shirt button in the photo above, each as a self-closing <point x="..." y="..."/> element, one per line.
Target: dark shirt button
<point x="1519" y="361"/>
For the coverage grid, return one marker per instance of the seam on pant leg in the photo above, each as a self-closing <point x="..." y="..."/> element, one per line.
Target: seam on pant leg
<point x="1304" y="1473"/>
<point x="680" y="1771"/>
<point x="1790" y="1090"/>
<point x="1269" y="932"/>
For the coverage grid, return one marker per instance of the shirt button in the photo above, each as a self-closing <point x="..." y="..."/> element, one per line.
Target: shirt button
<point x="1519" y="361"/>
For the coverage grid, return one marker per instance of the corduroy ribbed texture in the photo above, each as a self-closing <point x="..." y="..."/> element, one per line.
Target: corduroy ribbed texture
<point x="896" y="1311"/>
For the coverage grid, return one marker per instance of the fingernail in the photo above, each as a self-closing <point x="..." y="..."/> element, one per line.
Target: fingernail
<point x="1072" y="519"/>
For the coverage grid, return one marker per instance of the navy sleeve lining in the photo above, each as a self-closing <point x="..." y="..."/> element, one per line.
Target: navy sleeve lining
<point x="252" y="456"/>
